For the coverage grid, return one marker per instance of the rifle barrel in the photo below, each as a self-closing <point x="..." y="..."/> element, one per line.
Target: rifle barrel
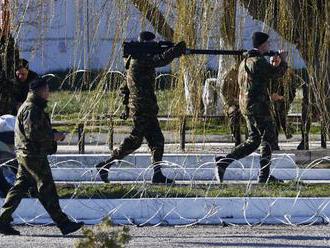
<point x="215" y="52"/>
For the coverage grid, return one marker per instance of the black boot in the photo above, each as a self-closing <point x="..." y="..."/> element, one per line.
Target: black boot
<point x="270" y="179"/>
<point x="303" y="146"/>
<point x="70" y="227"/>
<point x="221" y="164"/>
<point x="103" y="169"/>
<point x="7" y="229"/>
<point x="159" y="178"/>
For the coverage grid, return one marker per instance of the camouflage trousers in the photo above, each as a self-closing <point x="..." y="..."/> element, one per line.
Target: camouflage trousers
<point x="33" y="172"/>
<point x="234" y="116"/>
<point x="144" y="126"/>
<point x="261" y="133"/>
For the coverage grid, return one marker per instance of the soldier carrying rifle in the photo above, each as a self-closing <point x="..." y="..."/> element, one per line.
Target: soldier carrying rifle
<point x="140" y="100"/>
<point x="254" y="77"/>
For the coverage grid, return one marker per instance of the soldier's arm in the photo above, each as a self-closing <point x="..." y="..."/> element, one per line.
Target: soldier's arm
<point x="159" y="60"/>
<point x="36" y="131"/>
<point x="124" y="92"/>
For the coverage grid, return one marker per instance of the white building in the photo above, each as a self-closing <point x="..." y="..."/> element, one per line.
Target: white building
<point x="64" y="34"/>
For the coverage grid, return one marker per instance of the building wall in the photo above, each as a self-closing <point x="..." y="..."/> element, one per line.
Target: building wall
<point x="64" y="34"/>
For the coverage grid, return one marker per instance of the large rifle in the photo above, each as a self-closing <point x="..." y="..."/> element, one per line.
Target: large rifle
<point x="138" y="49"/>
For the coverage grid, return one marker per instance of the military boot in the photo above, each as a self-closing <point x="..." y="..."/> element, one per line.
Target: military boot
<point x="303" y="146"/>
<point x="159" y="178"/>
<point x="221" y="165"/>
<point x="269" y="179"/>
<point x="103" y="169"/>
<point x="70" y="227"/>
<point x="7" y="229"/>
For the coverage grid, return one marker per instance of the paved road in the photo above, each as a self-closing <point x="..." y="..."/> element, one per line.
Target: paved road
<point x="197" y="236"/>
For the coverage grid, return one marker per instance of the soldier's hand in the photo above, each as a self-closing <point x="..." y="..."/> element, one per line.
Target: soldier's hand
<point x="275" y="60"/>
<point x="125" y="114"/>
<point x="283" y="54"/>
<point x="181" y="47"/>
<point x="58" y="136"/>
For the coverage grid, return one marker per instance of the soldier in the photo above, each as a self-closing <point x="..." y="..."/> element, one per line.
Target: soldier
<point x="255" y="104"/>
<point x="24" y="76"/>
<point x="230" y="93"/>
<point x="139" y="98"/>
<point x="287" y="87"/>
<point x="34" y="140"/>
<point x="9" y="56"/>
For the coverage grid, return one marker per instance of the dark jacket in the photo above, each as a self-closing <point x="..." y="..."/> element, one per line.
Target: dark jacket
<point x="33" y="132"/>
<point x="139" y="90"/>
<point x="22" y="88"/>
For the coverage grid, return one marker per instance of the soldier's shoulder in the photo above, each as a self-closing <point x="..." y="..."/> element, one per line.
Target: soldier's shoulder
<point x="29" y="109"/>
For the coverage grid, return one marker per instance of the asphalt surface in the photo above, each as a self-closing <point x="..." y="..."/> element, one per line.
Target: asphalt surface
<point x="196" y="236"/>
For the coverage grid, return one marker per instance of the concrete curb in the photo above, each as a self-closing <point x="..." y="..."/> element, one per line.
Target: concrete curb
<point x="184" y="211"/>
<point x="205" y="174"/>
<point x="143" y="160"/>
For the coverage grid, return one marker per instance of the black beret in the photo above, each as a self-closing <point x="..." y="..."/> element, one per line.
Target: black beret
<point x="22" y="63"/>
<point x="38" y="83"/>
<point x="258" y="38"/>
<point x="146" y="36"/>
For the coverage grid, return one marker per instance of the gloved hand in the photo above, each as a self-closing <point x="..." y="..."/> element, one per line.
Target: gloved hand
<point x="181" y="48"/>
<point x="125" y="114"/>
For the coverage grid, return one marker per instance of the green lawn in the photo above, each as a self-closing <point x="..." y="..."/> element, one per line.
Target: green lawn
<point x="112" y="191"/>
<point x="87" y="105"/>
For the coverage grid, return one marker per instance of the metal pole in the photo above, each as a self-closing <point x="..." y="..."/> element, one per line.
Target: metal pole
<point x="183" y="134"/>
<point x="111" y="131"/>
<point x="81" y="138"/>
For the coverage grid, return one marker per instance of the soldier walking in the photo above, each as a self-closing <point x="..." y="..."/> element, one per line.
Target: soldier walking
<point x="254" y="77"/>
<point x="34" y="140"/>
<point x="139" y="98"/>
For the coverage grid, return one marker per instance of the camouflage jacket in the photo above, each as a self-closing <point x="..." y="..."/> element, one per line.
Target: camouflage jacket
<point x="254" y="77"/>
<point x="138" y="91"/>
<point x="33" y="132"/>
<point x="229" y="89"/>
<point x="287" y="85"/>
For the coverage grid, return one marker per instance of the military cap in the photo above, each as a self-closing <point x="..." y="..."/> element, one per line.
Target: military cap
<point x="259" y="38"/>
<point x="38" y="83"/>
<point x="146" y="36"/>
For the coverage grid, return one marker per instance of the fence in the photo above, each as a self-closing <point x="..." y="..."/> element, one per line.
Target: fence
<point x="81" y="127"/>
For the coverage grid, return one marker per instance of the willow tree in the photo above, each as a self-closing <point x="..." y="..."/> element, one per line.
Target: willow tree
<point x="304" y="23"/>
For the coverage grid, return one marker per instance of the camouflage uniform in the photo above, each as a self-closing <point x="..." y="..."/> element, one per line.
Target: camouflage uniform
<point x="254" y="82"/>
<point x="287" y="87"/>
<point x="34" y="140"/>
<point x="230" y="94"/>
<point x="139" y="93"/>
<point x="9" y="55"/>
